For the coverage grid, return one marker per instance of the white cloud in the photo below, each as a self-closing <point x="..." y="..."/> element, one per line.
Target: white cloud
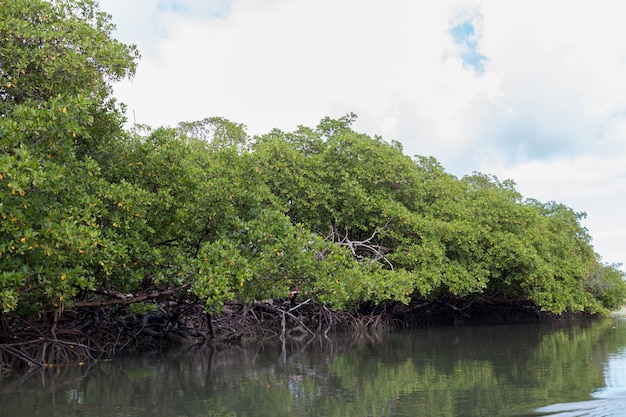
<point x="549" y="109"/>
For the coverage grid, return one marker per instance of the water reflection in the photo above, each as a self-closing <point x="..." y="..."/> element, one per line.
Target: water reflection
<point x="608" y="401"/>
<point x="471" y="371"/>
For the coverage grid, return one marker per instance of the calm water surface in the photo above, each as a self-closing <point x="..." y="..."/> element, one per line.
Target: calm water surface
<point x="573" y="369"/>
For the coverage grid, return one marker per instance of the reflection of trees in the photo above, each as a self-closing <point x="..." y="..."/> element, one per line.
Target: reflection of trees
<point x="454" y="371"/>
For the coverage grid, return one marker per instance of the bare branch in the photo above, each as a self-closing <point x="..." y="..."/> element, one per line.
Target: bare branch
<point x="377" y="253"/>
<point x="125" y="299"/>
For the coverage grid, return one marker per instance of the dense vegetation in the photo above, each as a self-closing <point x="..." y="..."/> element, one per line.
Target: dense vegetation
<point x="93" y="215"/>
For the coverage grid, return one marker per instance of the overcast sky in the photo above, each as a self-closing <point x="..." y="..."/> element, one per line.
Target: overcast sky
<point x="533" y="91"/>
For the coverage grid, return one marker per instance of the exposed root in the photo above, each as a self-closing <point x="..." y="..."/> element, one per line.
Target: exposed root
<point x="100" y="332"/>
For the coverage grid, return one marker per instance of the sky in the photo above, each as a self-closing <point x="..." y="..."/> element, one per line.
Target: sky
<point x="531" y="91"/>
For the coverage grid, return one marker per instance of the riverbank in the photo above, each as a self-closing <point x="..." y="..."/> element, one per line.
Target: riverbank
<point x="91" y="334"/>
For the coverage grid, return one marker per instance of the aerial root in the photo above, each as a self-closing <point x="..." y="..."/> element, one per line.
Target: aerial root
<point x="96" y="333"/>
<point x="43" y="353"/>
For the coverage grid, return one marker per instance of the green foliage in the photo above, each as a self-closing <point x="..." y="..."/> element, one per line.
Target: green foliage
<point x="606" y="284"/>
<point x="59" y="47"/>
<point x="50" y="242"/>
<point x="56" y="62"/>
<point x="441" y="236"/>
<point x="346" y="218"/>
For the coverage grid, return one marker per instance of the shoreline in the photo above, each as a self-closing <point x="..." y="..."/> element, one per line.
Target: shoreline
<point x="89" y="334"/>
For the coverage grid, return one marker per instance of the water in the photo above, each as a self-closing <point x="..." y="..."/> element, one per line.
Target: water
<point x="569" y="369"/>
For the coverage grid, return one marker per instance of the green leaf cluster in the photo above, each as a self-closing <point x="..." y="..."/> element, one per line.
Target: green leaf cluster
<point x="474" y="237"/>
<point x="341" y="217"/>
<point x="57" y="60"/>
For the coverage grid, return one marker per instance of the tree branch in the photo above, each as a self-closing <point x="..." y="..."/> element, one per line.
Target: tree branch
<point x="127" y="300"/>
<point x="357" y="247"/>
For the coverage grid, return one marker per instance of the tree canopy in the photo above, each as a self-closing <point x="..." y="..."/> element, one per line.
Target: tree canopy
<point x="89" y="209"/>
